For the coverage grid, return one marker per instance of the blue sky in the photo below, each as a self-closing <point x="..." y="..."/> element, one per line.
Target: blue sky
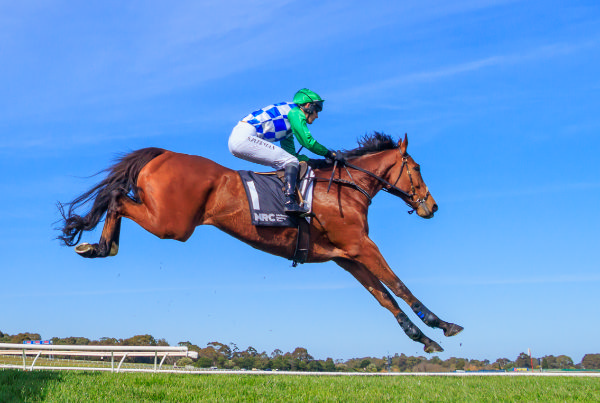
<point x="500" y="101"/>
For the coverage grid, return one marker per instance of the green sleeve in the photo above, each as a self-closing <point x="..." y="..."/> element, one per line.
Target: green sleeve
<point x="298" y="123"/>
<point x="288" y="145"/>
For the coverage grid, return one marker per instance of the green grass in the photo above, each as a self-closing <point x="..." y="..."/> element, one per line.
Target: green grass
<point x="53" y="386"/>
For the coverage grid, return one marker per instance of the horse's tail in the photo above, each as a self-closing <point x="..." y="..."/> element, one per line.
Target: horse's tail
<point x="122" y="177"/>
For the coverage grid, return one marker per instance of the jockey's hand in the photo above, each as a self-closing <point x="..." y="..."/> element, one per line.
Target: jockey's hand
<point x="335" y="156"/>
<point x="339" y="156"/>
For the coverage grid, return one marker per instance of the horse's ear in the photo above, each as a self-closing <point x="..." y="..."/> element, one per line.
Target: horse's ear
<point x="403" y="144"/>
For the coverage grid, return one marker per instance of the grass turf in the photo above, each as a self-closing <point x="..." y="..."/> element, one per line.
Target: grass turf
<point x="18" y="386"/>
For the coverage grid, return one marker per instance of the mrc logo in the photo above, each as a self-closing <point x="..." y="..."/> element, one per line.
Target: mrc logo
<point x="269" y="217"/>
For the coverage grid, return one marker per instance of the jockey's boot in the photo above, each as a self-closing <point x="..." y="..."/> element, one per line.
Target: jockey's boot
<point x="291" y="205"/>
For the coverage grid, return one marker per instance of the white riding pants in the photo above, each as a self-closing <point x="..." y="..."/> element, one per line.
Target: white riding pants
<point x="245" y="144"/>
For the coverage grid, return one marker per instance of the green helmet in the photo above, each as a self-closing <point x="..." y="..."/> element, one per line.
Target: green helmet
<point x="305" y="95"/>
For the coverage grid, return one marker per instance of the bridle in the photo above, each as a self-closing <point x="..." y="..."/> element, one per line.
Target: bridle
<point x="387" y="186"/>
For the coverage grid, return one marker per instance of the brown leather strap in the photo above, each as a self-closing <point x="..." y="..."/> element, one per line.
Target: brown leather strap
<point x="303" y="168"/>
<point x="302" y="242"/>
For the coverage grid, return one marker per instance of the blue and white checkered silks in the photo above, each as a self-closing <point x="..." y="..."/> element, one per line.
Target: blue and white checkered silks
<point x="271" y="122"/>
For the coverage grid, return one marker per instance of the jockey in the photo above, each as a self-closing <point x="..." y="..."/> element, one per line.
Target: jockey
<point x="252" y="139"/>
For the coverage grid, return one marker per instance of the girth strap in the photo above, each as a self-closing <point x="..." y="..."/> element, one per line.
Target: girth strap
<point x="302" y="242"/>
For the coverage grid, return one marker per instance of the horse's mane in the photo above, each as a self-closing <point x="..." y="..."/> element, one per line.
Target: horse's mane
<point x="367" y="144"/>
<point x="371" y="143"/>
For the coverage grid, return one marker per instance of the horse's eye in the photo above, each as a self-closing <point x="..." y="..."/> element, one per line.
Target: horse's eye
<point x="417" y="168"/>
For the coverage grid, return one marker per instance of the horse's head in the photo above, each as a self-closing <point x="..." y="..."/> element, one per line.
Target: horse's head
<point x="393" y="171"/>
<point x="409" y="180"/>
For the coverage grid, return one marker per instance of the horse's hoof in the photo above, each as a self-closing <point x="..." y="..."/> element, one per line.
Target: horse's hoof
<point x="114" y="249"/>
<point x="432" y="347"/>
<point x="86" y="250"/>
<point x="452" y="330"/>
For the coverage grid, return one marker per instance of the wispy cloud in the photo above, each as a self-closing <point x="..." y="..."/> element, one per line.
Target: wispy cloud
<point x="443" y="72"/>
<point x="374" y="87"/>
<point x="481" y="281"/>
<point x="258" y="288"/>
<point x="107" y="67"/>
<point x="520" y="192"/>
<point x="255" y="288"/>
<point x="65" y="142"/>
<point x="91" y="293"/>
<point x="162" y="47"/>
<point x="74" y="59"/>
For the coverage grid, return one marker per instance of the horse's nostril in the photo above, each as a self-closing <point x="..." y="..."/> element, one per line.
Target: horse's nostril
<point x="434" y="208"/>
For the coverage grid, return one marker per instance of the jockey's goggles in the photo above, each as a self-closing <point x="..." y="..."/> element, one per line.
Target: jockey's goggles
<point x="318" y="106"/>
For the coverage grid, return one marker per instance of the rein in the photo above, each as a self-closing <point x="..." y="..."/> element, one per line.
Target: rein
<point x="388" y="187"/>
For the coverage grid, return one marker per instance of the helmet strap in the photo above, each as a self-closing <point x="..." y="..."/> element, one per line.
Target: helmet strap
<point x="309" y="110"/>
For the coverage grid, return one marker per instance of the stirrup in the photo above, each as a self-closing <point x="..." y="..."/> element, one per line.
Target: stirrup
<point x="295" y="209"/>
<point x="292" y="207"/>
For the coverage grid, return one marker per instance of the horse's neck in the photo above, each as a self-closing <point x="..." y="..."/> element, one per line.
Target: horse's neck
<point x="378" y="164"/>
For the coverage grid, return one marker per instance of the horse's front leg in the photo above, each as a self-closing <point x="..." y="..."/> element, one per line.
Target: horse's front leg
<point x="367" y="253"/>
<point x="109" y="240"/>
<point x="382" y="295"/>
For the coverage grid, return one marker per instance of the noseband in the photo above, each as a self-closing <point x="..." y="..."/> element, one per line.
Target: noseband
<point x="419" y="201"/>
<point x="388" y="187"/>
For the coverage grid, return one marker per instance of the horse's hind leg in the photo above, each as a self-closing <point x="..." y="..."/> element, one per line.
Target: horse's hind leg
<point x="109" y="240"/>
<point x="382" y="295"/>
<point x="370" y="256"/>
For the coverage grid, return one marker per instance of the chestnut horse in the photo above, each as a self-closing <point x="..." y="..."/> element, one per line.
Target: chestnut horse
<point x="170" y="194"/>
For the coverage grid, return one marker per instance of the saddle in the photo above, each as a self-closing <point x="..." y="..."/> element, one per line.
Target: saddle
<point x="265" y="195"/>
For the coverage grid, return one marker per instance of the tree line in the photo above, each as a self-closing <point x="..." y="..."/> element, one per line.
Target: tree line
<point x="229" y="356"/>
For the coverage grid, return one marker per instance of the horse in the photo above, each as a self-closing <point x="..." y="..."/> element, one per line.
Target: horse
<point x="169" y="194"/>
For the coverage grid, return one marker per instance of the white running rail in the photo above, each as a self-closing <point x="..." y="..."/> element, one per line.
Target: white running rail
<point x="92" y="351"/>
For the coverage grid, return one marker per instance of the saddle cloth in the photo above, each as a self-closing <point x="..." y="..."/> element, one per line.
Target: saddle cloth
<point x="266" y="198"/>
